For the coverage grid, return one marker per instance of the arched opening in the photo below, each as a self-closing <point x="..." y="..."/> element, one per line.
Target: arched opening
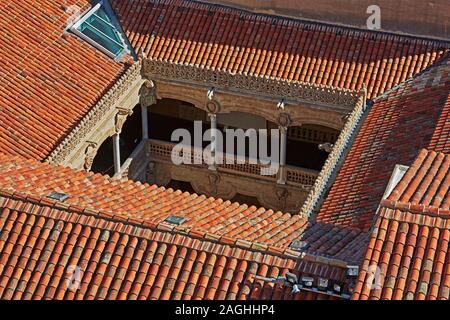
<point x="244" y="121"/>
<point x="104" y="161"/>
<point x="131" y="134"/>
<point x="130" y="137"/>
<point x="168" y="115"/>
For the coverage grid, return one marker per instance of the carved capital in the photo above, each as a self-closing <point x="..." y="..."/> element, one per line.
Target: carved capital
<point x="89" y="154"/>
<point x="121" y="117"/>
<point x="147" y="94"/>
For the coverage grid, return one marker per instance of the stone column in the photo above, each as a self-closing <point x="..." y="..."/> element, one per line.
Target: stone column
<point x="144" y="112"/>
<point x="116" y="150"/>
<point x="284" y="121"/>
<point x="213" y="119"/>
<point x="283" y="145"/>
<point x="147" y="97"/>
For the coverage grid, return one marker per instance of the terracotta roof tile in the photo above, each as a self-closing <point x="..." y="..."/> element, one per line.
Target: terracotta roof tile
<point x="208" y="218"/>
<point x="408" y="253"/>
<point x="45" y="258"/>
<point x="49" y="78"/>
<point x="412" y="116"/>
<point x="223" y="38"/>
<point x="43" y="244"/>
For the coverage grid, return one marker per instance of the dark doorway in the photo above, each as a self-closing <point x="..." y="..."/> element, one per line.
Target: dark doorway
<point x="104" y="160"/>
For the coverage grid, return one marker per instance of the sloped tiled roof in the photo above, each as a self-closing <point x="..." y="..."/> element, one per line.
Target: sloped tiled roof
<point x="154" y="204"/>
<point x="124" y="254"/>
<point x="49" y="78"/>
<point x="412" y="116"/>
<point x="410" y="241"/>
<point x="237" y="41"/>
<point x="41" y="249"/>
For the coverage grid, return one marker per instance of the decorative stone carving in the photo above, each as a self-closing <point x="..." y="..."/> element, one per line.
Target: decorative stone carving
<point x="213" y="106"/>
<point x="334" y="160"/>
<point x="284" y="120"/>
<point x="89" y="155"/>
<point x="147" y="94"/>
<point x="214" y="181"/>
<point x="150" y="172"/>
<point x="282" y="196"/>
<point x="121" y="117"/>
<point x="253" y="85"/>
<point x="97" y="113"/>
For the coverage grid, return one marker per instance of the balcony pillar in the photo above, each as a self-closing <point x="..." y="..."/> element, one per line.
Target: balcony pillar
<point x="116" y="150"/>
<point x="213" y="119"/>
<point x="283" y="145"/>
<point x="144" y="112"/>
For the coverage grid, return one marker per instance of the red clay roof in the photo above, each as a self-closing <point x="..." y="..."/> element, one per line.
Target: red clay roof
<point x="223" y="38"/>
<point x="410" y="240"/>
<point x="135" y="200"/>
<point x="412" y="116"/>
<point x="143" y="257"/>
<point x="49" y="78"/>
<point x="41" y="246"/>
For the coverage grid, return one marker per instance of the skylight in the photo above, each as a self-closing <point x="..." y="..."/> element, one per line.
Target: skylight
<point x="97" y="28"/>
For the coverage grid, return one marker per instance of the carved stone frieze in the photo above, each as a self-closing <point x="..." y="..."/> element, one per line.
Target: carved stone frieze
<point x="253" y="85"/>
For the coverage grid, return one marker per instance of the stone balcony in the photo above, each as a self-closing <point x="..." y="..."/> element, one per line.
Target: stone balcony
<point x="151" y="162"/>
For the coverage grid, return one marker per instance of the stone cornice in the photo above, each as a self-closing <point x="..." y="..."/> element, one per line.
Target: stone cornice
<point x="292" y="91"/>
<point x="107" y="103"/>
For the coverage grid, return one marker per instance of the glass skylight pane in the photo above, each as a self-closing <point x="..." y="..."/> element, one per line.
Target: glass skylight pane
<point x="104" y="27"/>
<point x="100" y="38"/>
<point x="100" y="31"/>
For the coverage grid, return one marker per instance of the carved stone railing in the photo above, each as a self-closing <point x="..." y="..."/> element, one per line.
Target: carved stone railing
<point x="273" y="88"/>
<point x="301" y="176"/>
<point x="161" y="150"/>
